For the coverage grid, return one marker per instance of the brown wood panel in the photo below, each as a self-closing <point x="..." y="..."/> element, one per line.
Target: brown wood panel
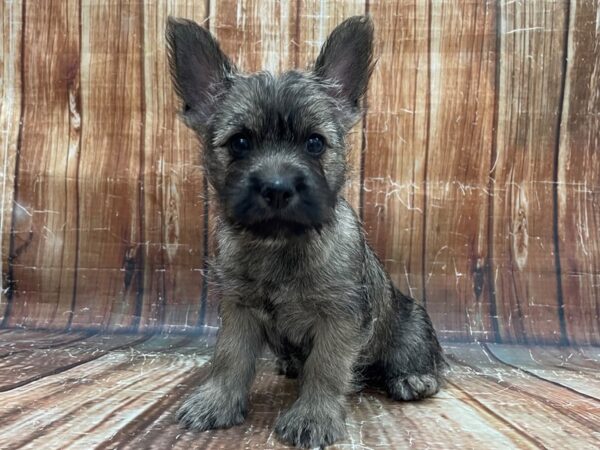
<point x="578" y="178"/>
<point x="462" y="65"/>
<point x="110" y="254"/>
<point x="590" y="359"/>
<point x="529" y="100"/>
<point x="256" y="35"/>
<point x="27" y="366"/>
<point x="396" y="140"/>
<point x="480" y="159"/>
<point x="581" y="359"/>
<point x="65" y="410"/>
<point x="44" y="222"/>
<point x="558" y="365"/>
<point x="527" y="403"/>
<point x="174" y="231"/>
<point x="127" y="398"/>
<point x="16" y="341"/>
<point x="11" y="35"/>
<point x="314" y="20"/>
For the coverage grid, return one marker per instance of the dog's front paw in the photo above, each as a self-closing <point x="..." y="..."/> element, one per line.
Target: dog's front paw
<point x="311" y="426"/>
<point x="413" y="387"/>
<point x="210" y="407"/>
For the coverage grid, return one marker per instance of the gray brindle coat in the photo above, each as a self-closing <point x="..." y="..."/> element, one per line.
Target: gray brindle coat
<point x="293" y="267"/>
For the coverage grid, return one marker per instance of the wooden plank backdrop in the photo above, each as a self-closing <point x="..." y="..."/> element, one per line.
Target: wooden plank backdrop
<point x="476" y="168"/>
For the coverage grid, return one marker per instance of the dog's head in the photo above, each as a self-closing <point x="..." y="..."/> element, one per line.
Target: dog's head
<point x="274" y="145"/>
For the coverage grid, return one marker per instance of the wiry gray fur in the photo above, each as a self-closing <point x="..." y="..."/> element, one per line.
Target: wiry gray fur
<point x="302" y="278"/>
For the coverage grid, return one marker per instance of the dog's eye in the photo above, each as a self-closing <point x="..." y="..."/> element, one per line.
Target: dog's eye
<point x="315" y="144"/>
<point x="240" y="144"/>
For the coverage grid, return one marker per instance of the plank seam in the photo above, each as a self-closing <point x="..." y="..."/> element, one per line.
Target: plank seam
<point x="77" y="179"/>
<point x="49" y="346"/>
<point x="564" y="340"/>
<point x="491" y="281"/>
<point x="12" y="252"/>
<point x="426" y="161"/>
<point x="497" y="416"/>
<point x="534" y="375"/>
<point x="563" y="410"/>
<point x="139" y="298"/>
<point x="62" y="369"/>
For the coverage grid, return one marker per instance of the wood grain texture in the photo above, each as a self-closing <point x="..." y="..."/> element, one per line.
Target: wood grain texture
<point x="174" y="231"/>
<point x="462" y="91"/>
<point x="567" y="367"/>
<point x="131" y="380"/>
<point x="24" y="367"/>
<point x="478" y="158"/>
<point x="42" y="263"/>
<point x="110" y="254"/>
<point x="530" y="80"/>
<point x="17" y="341"/>
<point x="527" y="403"/>
<point x="126" y="398"/>
<point x="577" y="180"/>
<point x="256" y="35"/>
<point x="396" y="141"/>
<point x="11" y="59"/>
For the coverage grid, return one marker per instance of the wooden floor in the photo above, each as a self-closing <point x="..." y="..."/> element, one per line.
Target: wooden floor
<point x="84" y="391"/>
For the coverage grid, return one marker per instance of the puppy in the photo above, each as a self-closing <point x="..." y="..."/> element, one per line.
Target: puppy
<point x="293" y="267"/>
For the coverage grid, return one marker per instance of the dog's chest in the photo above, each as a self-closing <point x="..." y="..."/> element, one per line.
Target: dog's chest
<point x="286" y="306"/>
<point x="286" y="289"/>
<point x="275" y="282"/>
<point x="270" y="269"/>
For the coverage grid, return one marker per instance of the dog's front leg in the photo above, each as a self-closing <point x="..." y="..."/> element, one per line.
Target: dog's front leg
<point x="221" y="401"/>
<point x="317" y="418"/>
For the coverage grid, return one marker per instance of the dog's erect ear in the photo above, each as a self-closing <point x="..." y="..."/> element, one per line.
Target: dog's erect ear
<point x="200" y="70"/>
<point x="347" y="58"/>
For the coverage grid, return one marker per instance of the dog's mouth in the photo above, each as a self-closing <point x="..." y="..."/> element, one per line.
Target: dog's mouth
<point x="294" y="221"/>
<point x="278" y="227"/>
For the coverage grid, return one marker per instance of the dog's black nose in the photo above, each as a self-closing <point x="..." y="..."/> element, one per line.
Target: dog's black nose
<point x="278" y="193"/>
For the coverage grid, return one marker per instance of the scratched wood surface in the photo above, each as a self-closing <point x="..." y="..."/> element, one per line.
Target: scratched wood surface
<point x="577" y="187"/>
<point x="110" y="254"/>
<point x="44" y="211"/>
<point x="61" y="390"/>
<point x="174" y="290"/>
<point x="475" y="168"/>
<point x="396" y="134"/>
<point x="529" y="105"/>
<point x="10" y="117"/>
<point x="456" y="202"/>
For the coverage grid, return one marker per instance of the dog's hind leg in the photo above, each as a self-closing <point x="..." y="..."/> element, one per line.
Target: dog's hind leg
<point x="411" y="364"/>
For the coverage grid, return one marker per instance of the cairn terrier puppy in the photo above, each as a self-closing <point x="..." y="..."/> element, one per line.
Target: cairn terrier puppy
<point x="293" y="267"/>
